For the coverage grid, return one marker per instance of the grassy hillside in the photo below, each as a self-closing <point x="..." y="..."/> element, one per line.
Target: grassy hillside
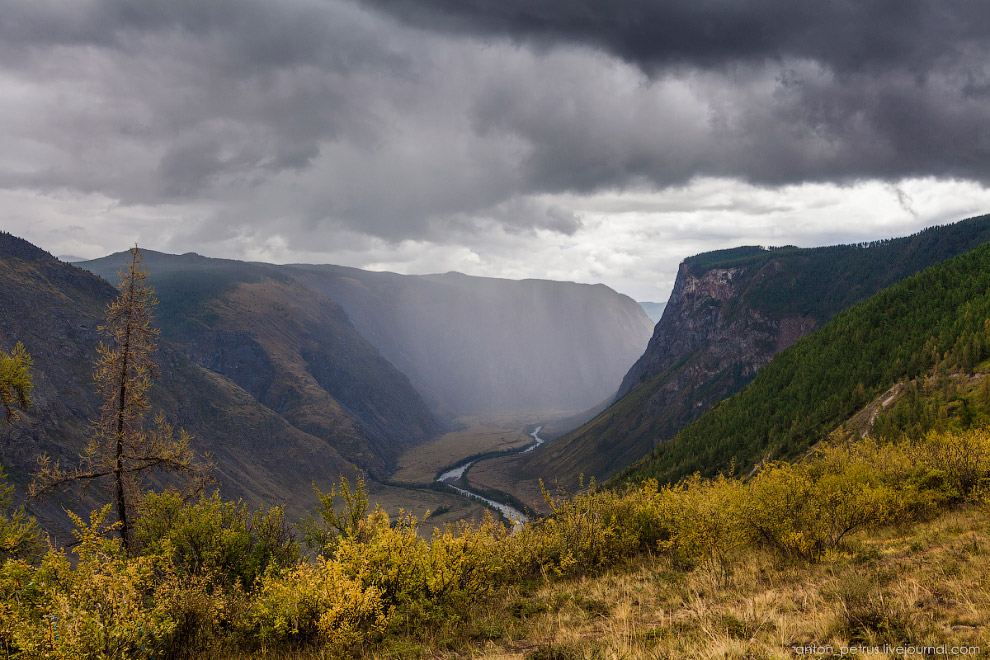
<point x="934" y="322"/>
<point x="857" y="545"/>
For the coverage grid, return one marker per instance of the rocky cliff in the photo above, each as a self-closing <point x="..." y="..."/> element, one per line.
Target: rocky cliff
<point x="705" y="331"/>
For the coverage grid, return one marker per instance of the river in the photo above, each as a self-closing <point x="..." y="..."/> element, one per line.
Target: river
<point x="515" y="517"/>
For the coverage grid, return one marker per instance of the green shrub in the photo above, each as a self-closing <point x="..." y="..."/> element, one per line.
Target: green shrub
<point x="223" y="540"/>
<point x="20" y="535"/>
<point x="339" y="514"/>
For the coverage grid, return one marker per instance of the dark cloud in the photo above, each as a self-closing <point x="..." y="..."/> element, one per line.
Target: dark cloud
<point x="875" y="88"/>
<point x="847" y="35"/>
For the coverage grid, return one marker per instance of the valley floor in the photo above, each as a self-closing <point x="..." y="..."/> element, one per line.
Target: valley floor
<point x="478" y="434"/>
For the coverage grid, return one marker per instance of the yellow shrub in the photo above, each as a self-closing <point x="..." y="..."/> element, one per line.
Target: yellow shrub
<point x="466" y="562"/>
<point x="591" y="531"/>
<point x="705" y="522"/>
<point x="807" y="509"/>
<point x="962" y="458"/>
<point x="104" y="608"/>
<point x="317" y="602"/>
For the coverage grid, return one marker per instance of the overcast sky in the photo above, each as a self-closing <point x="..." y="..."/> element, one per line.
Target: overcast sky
<point x="587" y="140"/>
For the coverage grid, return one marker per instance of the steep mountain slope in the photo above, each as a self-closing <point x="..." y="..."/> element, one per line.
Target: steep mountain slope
<point x="292" y="349"/>
<point x="729" y="313"/>
<point x="935" y="323"/>
<point x="54" y="309"/>
<point x="473" y="344"/>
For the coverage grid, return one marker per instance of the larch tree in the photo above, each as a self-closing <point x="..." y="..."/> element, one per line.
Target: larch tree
<point x="20" y="535"/>
<point x="121" y="451"/>
<point x="15" y="381"/>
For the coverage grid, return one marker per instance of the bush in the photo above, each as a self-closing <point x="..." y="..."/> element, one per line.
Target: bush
<point x="20" y="535"/>
<point x="588" y="532"/>
<point x="317" y="602"/>
<point x="704" y="519"/>
<point x="807" y="509"/>
<point x="339" y="514"/>
<point x="962" y="459"/>
<point x="424" y="581"/>
<point x="222" y="540"/>
<point x="104" y="608"/>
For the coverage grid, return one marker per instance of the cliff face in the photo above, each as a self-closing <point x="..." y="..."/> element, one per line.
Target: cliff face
<point x="706" y="330"/>
<point x="708" y="344"/>
<point x="729" y="313"/>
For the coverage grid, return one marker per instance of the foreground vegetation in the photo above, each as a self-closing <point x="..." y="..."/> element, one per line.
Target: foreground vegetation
<point x="215" y="577"/>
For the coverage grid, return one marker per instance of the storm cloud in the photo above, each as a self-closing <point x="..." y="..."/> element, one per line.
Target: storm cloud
<point x="421" y="135"/>
<point x="789" y="91"/>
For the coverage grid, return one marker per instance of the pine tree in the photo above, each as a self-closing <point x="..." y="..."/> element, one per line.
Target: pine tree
<point x="15" y="381"/>
<point x="121" y="451"/>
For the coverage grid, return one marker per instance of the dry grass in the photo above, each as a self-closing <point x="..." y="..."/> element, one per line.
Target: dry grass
<point x="928" y="585"/>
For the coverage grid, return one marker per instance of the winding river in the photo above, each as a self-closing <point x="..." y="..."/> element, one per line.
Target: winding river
<point x="515" y="517"/>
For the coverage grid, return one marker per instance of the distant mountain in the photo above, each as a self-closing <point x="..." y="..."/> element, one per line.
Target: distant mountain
<point x="292" y="349"/>
<point x="475" y="344"/>
<point x="654" y="310"/>
<point x="55" y="308"/>
<point x="917" y="340"/>
<point x="729" y="313"/>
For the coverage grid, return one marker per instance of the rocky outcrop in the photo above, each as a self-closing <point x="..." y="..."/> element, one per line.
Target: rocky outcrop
<point x="707" y="329"/>
<point x="708" y="344"/>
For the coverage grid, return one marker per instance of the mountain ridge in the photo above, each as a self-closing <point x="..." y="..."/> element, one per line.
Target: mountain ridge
<point x="295" y="351"/>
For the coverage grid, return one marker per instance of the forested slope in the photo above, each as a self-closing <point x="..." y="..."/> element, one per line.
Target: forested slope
<point x="934" y="323"/>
